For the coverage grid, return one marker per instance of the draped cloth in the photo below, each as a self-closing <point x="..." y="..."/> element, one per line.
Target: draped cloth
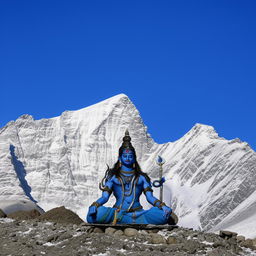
<point x="106" y="215"/>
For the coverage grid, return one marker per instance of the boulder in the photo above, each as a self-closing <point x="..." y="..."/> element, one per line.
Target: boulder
<point x="172" y="240"/>
<point x="119" y="233"/>
<point x="240" y="238"/>
<point x="61" y="215"/>
<point x="227" y="234"/>
<point x="2" y="214"/>
<point x="130" y="232"/>
<point x="157" y="239"/>
<point x="98" y="230"/>
<point x="110" y="230"/>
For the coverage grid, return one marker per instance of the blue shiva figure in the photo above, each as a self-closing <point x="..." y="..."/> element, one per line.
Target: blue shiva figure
<point x="127" y="182"/>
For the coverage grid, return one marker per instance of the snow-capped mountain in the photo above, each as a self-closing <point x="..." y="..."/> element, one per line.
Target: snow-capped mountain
<point x="211" y="182"/>
<point x="60" y="161"/>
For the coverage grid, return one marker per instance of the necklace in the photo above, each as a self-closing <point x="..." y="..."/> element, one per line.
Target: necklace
<point x="133" y="188"/>
<point x="127" y="172"/>
<point x="127" y="179"/>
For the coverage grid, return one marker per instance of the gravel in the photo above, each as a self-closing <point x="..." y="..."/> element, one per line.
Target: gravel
<point x="60" y="232"/>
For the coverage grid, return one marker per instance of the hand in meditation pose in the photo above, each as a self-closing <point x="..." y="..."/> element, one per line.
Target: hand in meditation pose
<point x="127" y="182"/>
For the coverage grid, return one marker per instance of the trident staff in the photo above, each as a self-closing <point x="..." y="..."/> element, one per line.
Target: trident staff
<point x="159" y="183"/>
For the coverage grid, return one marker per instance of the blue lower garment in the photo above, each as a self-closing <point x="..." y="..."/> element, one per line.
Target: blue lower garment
<point x="105" y="215"/>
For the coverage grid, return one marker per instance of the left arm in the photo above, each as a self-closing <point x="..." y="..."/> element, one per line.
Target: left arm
<point x="148" y="191"/>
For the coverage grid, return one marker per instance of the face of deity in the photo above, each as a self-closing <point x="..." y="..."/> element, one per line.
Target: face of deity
<point x="127" y="158"/>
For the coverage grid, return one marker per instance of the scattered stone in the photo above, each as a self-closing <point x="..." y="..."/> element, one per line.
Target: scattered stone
<point x="232" y="241"/>
<point x="39" y="243"/>
<point x="17" y="223"/>
<point x="64" y="236"/>
<point x="194" y="235"/>
<point x="130" y="232"/>
<point x="172" y="240"/>
<point x="218" y="244"/>
<point x="240" y="238"/>
<point x="65" y="240"/>
<point x="227" y="234"/>
<point x="219" y="252"/>
<point x="153" y="230"/>
<point x="90" y="230"/>
<point x="248" y="243"/>
<point x="119" y="233"/>
<point x="143" y="232"/>
<point x="211" y="238"/>
<point x="98" y="230"/>
<point x="157" y="239"/>
<point x="110" y="231"/>
<point x="52" y="238"/>
<point x="2" y="214"/>
<point x="191" y="246"/>
<point x="15" y="239"/>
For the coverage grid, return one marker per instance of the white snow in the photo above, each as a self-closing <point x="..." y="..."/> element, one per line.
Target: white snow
<point x="25" y="232"/>
<point x="6" y="220"/>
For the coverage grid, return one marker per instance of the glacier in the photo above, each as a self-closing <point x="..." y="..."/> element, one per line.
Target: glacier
<point x="211" y="181"/>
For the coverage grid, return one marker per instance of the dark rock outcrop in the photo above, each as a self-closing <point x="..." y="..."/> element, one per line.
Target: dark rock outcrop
<point x="61" y="215"/>
<point x="2" y="214"/>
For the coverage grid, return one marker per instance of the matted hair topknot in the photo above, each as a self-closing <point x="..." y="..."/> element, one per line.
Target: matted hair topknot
<point x="127" y="142"/>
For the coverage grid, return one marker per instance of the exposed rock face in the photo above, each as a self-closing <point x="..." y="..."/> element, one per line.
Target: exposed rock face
<point x="2" y="214"/>
<point x="60" y="161"/>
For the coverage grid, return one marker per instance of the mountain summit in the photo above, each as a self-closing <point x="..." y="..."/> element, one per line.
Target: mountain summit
<point x="60" y="161"/>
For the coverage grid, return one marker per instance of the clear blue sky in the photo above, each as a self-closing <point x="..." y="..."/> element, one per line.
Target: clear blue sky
<point x="180" y="62"/>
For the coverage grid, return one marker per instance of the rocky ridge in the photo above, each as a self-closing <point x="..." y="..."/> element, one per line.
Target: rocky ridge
<point x="46" y="237"/>
<point x="33" y="237"/>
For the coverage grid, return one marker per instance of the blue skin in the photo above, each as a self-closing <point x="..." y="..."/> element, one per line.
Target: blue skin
<point x="127" y="160"/>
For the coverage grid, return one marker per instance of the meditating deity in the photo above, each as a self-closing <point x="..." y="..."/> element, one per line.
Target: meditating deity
<point x="127" y="182"/>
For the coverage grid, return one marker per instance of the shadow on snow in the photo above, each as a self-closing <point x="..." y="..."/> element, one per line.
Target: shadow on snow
<point x="21" y="173"/>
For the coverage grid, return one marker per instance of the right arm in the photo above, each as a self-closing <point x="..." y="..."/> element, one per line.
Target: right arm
<point x="106" y="192"/>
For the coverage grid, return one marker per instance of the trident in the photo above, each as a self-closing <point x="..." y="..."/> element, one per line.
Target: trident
<point x="159" y="183"/>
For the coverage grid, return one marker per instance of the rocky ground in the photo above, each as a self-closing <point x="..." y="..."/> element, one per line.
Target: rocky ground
<point x="61" y="232"/>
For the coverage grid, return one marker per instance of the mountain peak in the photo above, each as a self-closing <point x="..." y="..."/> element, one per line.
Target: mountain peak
<point x="25" y="117"/>
<point x="199" y="128"/>
<point x="119" y="96"/>
<point x="116" y="98"/>
<point x="203" y="126"/>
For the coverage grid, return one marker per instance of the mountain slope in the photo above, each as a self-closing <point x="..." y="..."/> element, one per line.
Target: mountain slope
<point x="63" y="158"/>
<point x="60" y="161"/>
<point x="210" y="177"/>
